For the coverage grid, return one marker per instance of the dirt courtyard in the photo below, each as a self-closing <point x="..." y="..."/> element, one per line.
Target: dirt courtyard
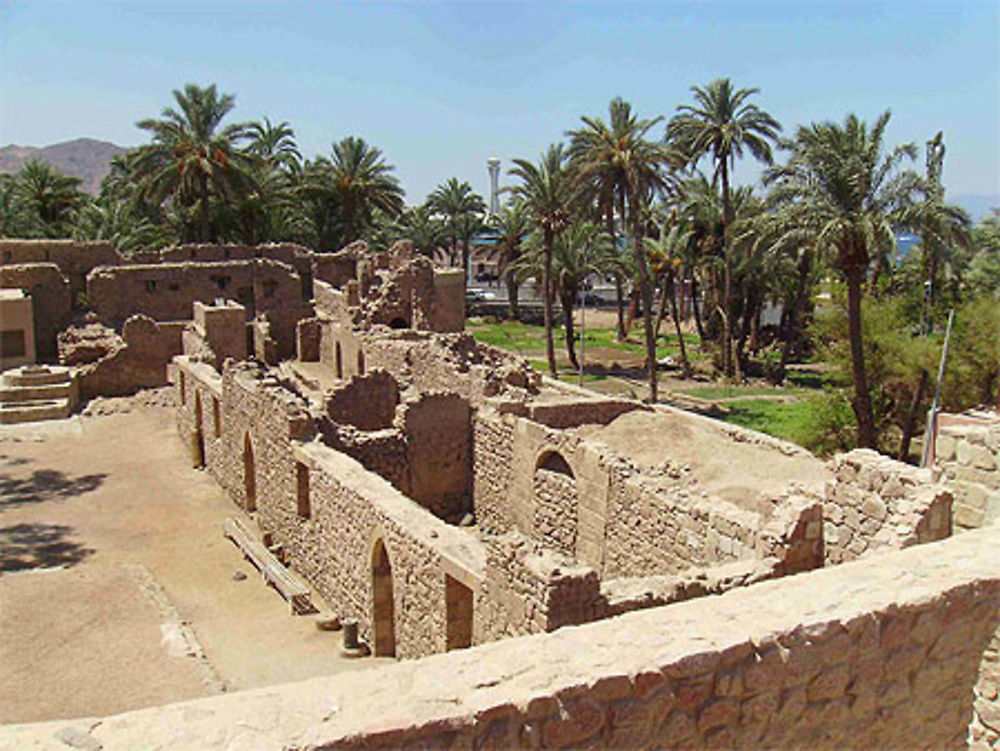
<point x="117" y="588"/>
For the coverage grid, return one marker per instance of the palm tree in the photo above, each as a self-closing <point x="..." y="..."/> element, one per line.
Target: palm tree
<point x="666" y="255"/>
<point x="546" y="192"/>
<point x="850" y="189"/>
<point x="361" y="182"/>
<point x="46" y="197"/>
<point x="117" y="222"/>
<point x="512" y="226"/>
<point x="424" y="230"/>
<point x="582" y="250"/>
<point x="460" y="206"/>
<point x="275" y="144"/>
<point x="192" y="157"/>
<point x="721" y="124"/>
<point x="618" y="168"/>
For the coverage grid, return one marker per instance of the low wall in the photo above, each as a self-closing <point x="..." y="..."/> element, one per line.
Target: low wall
<point x="882" y="653"/>
<point x="141" y="363"/>
<point x="874" y="503"/>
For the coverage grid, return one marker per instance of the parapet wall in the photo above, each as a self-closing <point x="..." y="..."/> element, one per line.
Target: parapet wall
<point x="876" y="503"/>
<point x="881" y="653"/>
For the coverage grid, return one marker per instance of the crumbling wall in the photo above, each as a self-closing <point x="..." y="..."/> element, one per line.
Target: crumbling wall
<point x="437" y="428"/>
<point x="74" y="259"/>
<point x="492" y="470"/>
<point x="967" y="460"/>
<point x="881" y="653"/>
<point x="141" y="363"/>
<point x="367" y="402"/>
<point x="51" y="298"/>
<point x="218" y="332"/>
<point x="528" y="589"/>
<point x="874" y="503"/>
<point x="335" y="269"/>
<point x="380" y="451"/>
<point x="167" y="292"/>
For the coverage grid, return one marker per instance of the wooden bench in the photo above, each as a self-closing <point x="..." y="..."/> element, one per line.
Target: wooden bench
<point x="276" y="575"/>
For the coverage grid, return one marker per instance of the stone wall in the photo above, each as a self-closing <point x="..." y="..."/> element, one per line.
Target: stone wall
<point x="141" y="363"/>
<point x="367" y="402"/>
<point x="437" y="428"/>
<point x="51" y="299"/>
<point x="875" y="503"/>
<point x="167" y="292"/>
<point x="528" y="589"/>
<point x="881" y="653"/>
<point x="967" y="459"/>
<point x="74" y="259"/>
<point x="383" y="452"/>
<point x="329" y="534"/>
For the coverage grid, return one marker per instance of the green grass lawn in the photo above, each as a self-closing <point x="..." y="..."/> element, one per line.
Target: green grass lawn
<point x="733" y="392"/>
<point x="788" y="420"/>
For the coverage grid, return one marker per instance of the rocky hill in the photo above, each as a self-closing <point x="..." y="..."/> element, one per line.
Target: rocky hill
<point x="86" y="158"/>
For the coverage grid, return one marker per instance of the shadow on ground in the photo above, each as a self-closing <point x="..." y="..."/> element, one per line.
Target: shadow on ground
<point x="27" y="546"/>
<point x="43" y="485"/>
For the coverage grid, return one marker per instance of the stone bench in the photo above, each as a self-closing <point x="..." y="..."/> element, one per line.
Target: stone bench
<point x="275" y="574"/>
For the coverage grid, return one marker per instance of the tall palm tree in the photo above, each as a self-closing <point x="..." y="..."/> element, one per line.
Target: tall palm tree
<point x="424" y="230"/>
<point x="546" y="191"/>
<point x="275" y="144"/>
<point x="360" y="182"/>
<point x="666" y="254"/>
<point x="192" y="157"/>
<point x="512" y="225"/>
<point x="721" y="124"/>
<point x="582" y="250"/>
<point x="850" y="189"/>
<point x="617" y="167"/>
<point x="47" y="198"/>
<point x="461" y="207"/>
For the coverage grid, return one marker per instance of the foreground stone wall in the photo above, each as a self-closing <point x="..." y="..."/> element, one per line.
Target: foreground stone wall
<point x="881" y="653"/>
<point x="875" y="503"/>
<point x="967" y="459"/>
<point x="51" y="300"/>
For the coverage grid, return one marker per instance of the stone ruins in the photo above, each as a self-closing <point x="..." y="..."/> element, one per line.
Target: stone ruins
<point x="628" y="576"/>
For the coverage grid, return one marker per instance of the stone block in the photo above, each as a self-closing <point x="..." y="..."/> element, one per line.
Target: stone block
<point x="976" y="456"/>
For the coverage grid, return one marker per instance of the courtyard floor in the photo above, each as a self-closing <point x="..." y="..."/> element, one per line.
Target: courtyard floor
<point x="117" y="588"/>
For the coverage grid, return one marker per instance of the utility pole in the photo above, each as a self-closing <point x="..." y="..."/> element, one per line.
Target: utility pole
<point x="931" y="431"/>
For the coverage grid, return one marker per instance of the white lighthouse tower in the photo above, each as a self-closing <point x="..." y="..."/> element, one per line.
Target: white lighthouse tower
<point x="493" y="165"/>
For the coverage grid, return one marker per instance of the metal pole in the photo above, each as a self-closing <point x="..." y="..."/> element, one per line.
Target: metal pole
<point x="931" y="430"/>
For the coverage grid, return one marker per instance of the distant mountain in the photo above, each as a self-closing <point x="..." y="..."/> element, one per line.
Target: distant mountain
<point x="978" y="206"/>
<point x="86" y="158"/>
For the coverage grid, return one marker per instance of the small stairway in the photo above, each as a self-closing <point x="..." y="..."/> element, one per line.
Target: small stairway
<point x="37" y="392"/>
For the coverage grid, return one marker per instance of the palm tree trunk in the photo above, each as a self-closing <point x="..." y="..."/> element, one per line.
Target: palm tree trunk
<point x="697" y="312"/>
<point x="662" y="308"/>
<point x="206" y="225"/>
<point x="512" y="286"/>
<point x="685" y="364"/>
<point x="646" y="293"/>
<point x="791" y="333"/>
<point x="911" y="417"/>
<point x="567" y="306"/>
<point x="862" y="402"/>
<point x="727" y="272"/>
<point x="550" y="351"/>
<point x="620" y="308"/>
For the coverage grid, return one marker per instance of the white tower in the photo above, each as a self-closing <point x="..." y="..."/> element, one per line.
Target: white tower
<point x="493" y="164"/>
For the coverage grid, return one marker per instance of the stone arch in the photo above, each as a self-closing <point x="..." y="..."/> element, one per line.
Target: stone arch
<point x="556" y="503"/>
<point x="339" y="354"/>
<point x="383" y="607"/>
<point x="198" y="435"/>
<point x="249" y="474"/>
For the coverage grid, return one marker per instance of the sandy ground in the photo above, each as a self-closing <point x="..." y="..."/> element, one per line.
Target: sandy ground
<point x="109" y="498"/>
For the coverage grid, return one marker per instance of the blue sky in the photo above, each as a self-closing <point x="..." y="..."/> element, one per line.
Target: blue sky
<point x="440" y="87"/>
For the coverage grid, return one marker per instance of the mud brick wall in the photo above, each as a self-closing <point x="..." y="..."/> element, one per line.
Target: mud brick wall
<point x="336" y="269"/>
<point x="967" y="459"/>
<point x="141" y="363"/>
<point x="583" y="411"/>
<point x="528" y="590"/>
<point x="367" y="402"/>
<point x="557" y="509"/>
<point x="437" y="428"/>
<point x="74" y="259"/>
<point x="881" y="653"/>
<point x="874" y="503"/>
<point x="51" y="299"/>
<point x="492" y="470"/>
<point x="380" y="451"/>
<point x="448" y="302"/>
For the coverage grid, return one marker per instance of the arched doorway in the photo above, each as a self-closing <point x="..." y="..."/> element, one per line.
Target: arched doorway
<point x="556" y="503"/>
<point x="198" y="437"/>
<point x="249" y="474"/>
<point x="398" y="323"/>
<point x="383" y="609"/>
